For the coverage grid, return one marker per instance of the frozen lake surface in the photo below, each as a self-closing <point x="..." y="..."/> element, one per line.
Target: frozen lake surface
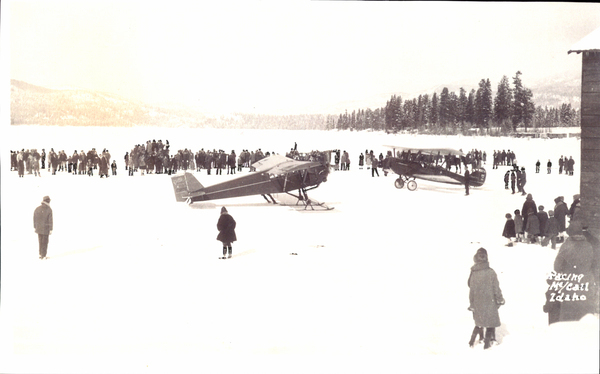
<point x="379" y="284"/>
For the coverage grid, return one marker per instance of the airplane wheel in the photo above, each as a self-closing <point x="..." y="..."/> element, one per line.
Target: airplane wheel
<point x="399" y="183"/>
<point x="411" y="185"/>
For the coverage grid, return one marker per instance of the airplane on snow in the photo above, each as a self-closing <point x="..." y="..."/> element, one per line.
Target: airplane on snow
<point x="273" y="174"/>
<point x="422" y="163"/>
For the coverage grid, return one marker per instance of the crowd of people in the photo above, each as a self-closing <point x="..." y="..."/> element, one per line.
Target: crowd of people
<point x="533" y="224"/>
<point x="501" y="158"/>
<point x="155" y="158"/>
<point x="79" y="163"/>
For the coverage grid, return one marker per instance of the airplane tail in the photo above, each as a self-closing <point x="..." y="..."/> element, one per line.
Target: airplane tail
<point x="184" y="185"/>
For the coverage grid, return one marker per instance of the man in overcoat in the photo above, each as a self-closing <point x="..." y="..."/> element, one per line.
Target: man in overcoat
<point x="42" y="223"/>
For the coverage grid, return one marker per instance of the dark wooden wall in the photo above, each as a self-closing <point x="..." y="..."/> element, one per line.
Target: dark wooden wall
<point x="590" y="140"/>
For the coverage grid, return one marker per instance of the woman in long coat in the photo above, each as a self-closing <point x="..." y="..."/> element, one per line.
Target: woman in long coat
<point x="485" y="297"/>
<point x="226" y="227"/>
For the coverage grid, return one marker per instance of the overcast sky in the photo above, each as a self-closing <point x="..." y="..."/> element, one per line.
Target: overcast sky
<point x="285" y="56"/>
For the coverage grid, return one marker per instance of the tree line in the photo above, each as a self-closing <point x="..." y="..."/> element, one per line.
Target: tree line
<point x="451" y="113"/>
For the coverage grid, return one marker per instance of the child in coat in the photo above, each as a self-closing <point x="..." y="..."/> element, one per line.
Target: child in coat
<point x="509" y="230"/>
<point x="519" y="225"/>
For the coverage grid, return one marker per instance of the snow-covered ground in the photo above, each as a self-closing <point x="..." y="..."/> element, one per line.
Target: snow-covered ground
<point x="379" y="284"/>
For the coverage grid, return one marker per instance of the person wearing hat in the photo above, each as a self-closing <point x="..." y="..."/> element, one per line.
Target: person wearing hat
<point x="560" y="212"/>
<point x="42" y="223"/>
<point x="574" y="261"/>
<point x="485" y="297"/>
<point x="575" y="206"/>
<point x="467" y="180"/>
<point x="226" y="226"/>
<point x="528" y="205"/>
<point x="522" y="181"/>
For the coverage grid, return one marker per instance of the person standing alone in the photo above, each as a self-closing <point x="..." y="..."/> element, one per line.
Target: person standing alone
<point x="485" y="297"/>
<point x="42" y="223"/>
<point x="226" y="227"/>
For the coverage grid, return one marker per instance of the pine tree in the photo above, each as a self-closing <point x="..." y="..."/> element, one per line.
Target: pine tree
<point x="426" y="110"/>
<point x="529" y="108"/>
<point x="483" y="104"/>
<point x="470" y="110"/>
<point x="433" y="116"/>
<point x="461" y="107"/>
<point x="452" y="110"/>
<point x="523" y="107"/>
<point x="444" y="108"/>
<point x="503" y="102"/>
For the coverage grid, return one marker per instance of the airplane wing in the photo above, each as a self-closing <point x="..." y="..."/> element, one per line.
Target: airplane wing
<point x="270" y="162"/>
<point x="277" y="165"/>
<point x="429" y="151"/>
<point x="289" y="167"/>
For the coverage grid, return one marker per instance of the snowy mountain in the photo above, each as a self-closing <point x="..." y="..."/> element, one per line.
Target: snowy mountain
<point x="32" y="104"/>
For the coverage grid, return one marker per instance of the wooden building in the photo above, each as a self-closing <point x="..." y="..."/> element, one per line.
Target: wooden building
<point x="589" y="48"/>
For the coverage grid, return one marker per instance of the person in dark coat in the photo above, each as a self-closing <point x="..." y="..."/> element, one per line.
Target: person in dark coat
<point x="560" y="212"/>
<point x="532" y="228"/>
<point x="103" y="166"/>
<point x="467" y="180"/>
<point x="529" y="204"/>
<point x="513" y="181"/>
<point x="574" y="265"/>
<point x="485" y="297"/>
<point x="574" y="206"/>
<point x="509" y="231"/>
<point x="543" y="218"/>
<point x="43" y="225"/>
<point x="522" y="181"/>
<point x="226" y="227"/>
<point x="374" y="164"/>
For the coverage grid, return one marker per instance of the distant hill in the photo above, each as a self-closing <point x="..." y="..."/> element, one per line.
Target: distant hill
<point x="37" y="105"/>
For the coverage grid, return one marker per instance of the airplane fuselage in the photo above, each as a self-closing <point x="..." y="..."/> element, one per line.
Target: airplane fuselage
<point x="259" y="183"/>
<point x="435" y="173"/>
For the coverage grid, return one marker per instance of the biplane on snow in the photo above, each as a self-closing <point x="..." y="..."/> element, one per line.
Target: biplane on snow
<point x="272" y="174"/>
<point x="432" y="164"/>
